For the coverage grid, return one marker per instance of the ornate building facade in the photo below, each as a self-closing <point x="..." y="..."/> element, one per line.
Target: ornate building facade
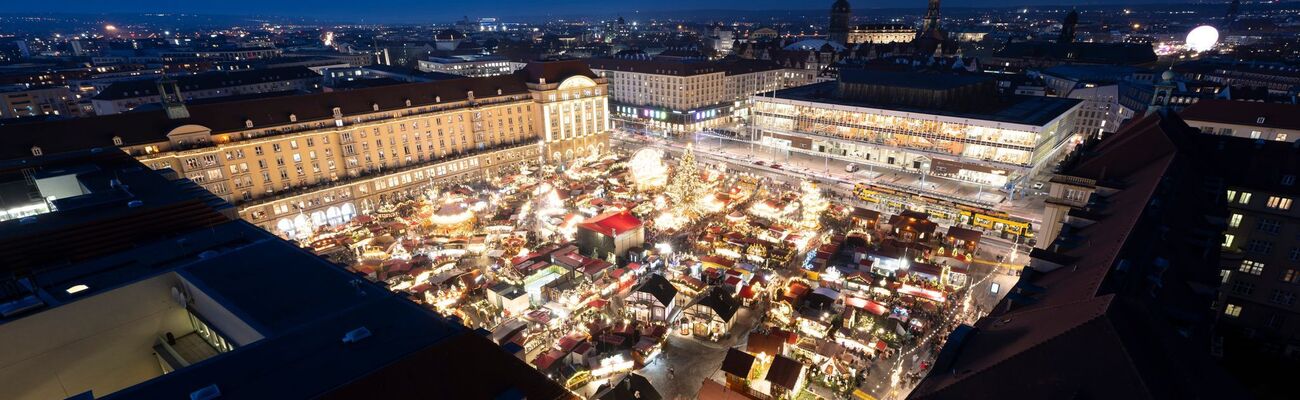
<point x="294" y="163"/>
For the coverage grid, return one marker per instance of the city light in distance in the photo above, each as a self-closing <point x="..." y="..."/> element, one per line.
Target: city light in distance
<point x="1202" y="38"/>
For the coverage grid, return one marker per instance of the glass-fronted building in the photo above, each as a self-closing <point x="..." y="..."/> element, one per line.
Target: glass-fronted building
<point x="960" y="129"/>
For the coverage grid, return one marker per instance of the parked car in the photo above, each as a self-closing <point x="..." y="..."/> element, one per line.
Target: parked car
<point x="851" y="168"/>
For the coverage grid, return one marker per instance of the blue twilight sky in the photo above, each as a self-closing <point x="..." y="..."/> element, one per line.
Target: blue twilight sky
<point x="405" y="10"/>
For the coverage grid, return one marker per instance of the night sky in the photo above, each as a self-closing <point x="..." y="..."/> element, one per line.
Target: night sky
<point x="399" y="10"/>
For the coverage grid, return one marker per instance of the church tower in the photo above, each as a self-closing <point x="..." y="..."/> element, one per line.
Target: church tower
<point x="931" y="18"/>
<point x="840" y="15"/>
<point x="1067" y="27"/>
<point x="170" y="93"/>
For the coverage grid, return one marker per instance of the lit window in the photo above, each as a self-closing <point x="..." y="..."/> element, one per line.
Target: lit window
<point x="1235" y="221"/>
<point x="1227" y="240"/>
<point x="1281" y="203"/>
<point x="1232" y="310"/>
<point x="1251" y="267"/>
<point x="1245" y="198"/>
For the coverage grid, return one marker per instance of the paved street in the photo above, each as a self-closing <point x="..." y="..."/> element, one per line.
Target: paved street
<point x="693" y="360"/>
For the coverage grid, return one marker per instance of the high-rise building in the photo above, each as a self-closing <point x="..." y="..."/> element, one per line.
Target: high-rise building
<point x="139" y="286"/>
<point x="294" y="163"/>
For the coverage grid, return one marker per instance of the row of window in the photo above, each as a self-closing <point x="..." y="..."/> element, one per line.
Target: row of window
<point x="1274" y="202"/>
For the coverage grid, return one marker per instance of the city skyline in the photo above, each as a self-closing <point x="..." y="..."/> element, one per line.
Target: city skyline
<point x="411" y="11"/>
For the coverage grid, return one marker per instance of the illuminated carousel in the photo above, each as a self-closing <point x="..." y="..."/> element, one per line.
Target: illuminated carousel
<point x="452" y="218"/>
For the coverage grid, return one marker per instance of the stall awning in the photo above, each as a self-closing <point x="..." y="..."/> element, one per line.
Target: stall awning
<point x="925" y="269"/>
<point x="868" y="305"/>
<point x="932" y="295"/>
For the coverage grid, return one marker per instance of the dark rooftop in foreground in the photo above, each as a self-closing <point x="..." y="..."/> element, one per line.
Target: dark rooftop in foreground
<point x="1119" y="308"/>
<point x="137" y="245"/>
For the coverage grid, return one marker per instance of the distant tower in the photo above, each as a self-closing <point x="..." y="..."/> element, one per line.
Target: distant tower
<point x="170" y="93"/>
<point x="1067" y="27"/>
<point x="840" y="15"/>
<point x="1162" y="91"/>
<point x="1234" y="9"/>
<point x="931" y="17"/>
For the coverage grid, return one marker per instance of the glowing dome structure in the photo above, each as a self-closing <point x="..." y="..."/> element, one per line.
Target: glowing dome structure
<point x="1203" y="38"/>
<point x="452" y="218"/>
<point x="648" y="169"/>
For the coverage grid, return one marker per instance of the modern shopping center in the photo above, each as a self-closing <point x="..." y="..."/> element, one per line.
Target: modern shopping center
<point x="953" y="126"/>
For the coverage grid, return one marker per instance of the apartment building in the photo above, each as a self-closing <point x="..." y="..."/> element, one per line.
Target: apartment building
<point x="1099" y="88"/>
<point x="125" y="96"/>
<point x="1259" y="314"/>
<point x="1251" y="120"/>
<point x="293" y="163"/>
<point x="19" y="101"/>
<point x="472" y="65"/>
<point x="687" y="95"/>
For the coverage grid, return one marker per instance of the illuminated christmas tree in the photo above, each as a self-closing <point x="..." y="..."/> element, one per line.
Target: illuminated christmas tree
<point x="812" y="205"/>
<point x="686" y="189"/>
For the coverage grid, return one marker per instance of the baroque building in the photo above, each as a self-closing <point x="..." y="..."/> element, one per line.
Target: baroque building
<point x="294" y="163"/>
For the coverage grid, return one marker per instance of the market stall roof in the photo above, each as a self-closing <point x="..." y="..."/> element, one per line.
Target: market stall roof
<point x="784" y="372"/>
<point x="632" y="387"/>
<point x="862" y="213"/>
<point x="718" y="261"/>
<point x="546" y="360"/>
<point x="747" y="292"/>
<point x="827" y="292"/>
<point x="614" y="223"/>
<point x="867" y="305"/>
<point x="967" y="235"/>
<point x="737" y="363"/>
<point x="927" y="294"/>
<point x="772" y="342"/>
<point x="613" y="339"/>
<point x="661" y="289"/>
<point x="720" y="302"/>
<point x="569" y="342"/>
<point x="925" y="269"/>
